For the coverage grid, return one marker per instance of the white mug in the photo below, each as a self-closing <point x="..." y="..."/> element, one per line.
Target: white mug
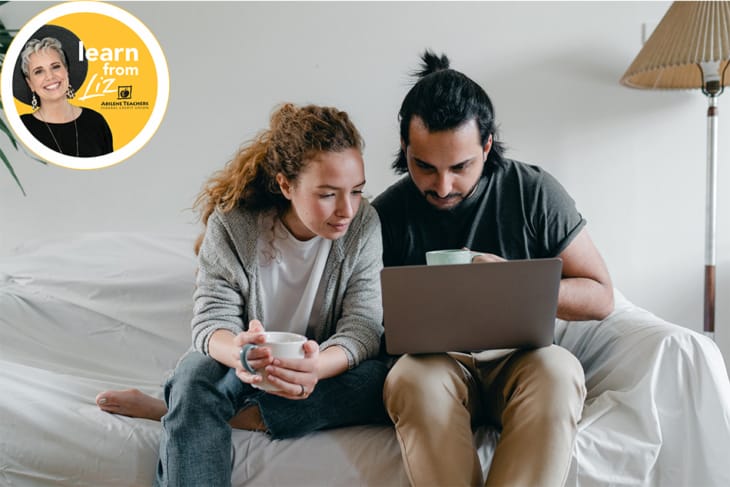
<point x="282" y="344"/>
<point x="450" y="256"/>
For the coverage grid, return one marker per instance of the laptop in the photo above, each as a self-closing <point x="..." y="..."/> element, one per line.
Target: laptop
<point x="470" y="307"/>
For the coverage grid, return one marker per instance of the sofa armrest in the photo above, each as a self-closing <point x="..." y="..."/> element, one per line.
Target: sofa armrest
<point x="631" y="344"/>
<point x="658" y="400"/>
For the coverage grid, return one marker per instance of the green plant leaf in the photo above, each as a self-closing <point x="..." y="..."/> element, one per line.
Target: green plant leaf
<point x="5" y="129"/>
<point x="6" y="37"/>
<point x="12" y="171"/>
<point x="13" y="140"/>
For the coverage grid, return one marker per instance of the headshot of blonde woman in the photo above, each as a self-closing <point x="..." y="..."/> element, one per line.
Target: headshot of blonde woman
<point x="46" y="77"/>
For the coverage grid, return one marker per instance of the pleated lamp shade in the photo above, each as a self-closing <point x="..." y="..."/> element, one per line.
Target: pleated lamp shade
<point x="689" y="34"/>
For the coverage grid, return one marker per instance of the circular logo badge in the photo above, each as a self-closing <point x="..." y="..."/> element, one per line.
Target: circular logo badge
<point x="85" y="85"/>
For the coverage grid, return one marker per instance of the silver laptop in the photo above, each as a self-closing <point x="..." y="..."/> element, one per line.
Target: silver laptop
<point x="470" y="307"/>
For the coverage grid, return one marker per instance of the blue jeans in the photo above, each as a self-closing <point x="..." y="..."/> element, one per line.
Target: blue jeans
<point x="203" y="395"/>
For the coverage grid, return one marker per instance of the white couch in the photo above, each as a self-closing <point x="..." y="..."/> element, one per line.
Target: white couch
<point x="86" y="313"/>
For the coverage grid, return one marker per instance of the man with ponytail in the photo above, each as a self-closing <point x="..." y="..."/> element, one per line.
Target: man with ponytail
<point x="290" y="245"/>
<point x="460" y="191"/>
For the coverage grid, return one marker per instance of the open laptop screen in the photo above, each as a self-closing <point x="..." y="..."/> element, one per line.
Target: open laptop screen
<point x="470" y="307"/>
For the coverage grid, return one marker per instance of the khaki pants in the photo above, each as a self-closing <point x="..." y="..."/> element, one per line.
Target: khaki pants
<point x="536" y="398"/>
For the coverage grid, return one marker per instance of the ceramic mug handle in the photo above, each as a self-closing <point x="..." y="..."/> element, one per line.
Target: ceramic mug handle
<point x="244" y="357"/>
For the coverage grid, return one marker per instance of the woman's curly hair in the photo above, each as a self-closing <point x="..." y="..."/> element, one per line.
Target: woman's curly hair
<point x="295" y="134"/>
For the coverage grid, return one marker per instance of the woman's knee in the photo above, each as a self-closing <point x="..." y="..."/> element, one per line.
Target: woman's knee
<point x="371" y="368"/>
<point x="196" y="375"/>
<point x="366" y="378"/>
<point x="373" y="373"/>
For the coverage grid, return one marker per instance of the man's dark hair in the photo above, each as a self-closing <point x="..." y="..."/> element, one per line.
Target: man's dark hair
<point x="445" y="99"/>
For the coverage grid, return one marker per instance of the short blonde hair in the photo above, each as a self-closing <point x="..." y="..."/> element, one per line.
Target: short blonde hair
<point x="34" y="45"/>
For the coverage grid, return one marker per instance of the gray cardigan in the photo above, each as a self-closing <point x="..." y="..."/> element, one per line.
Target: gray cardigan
<point x="347" y="310"/>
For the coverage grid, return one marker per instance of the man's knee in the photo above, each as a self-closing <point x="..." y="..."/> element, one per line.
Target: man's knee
<point x="420" y="381"/>
<point x="558" y="367"/>
<point x="555" y="376"/>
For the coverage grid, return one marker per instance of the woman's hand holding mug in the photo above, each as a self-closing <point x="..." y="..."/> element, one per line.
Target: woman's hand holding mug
<point x="281" y="363"/>
<point x="295" y="378"/>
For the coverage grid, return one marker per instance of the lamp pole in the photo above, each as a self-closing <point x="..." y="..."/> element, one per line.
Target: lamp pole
<point x="712" y="88"/>
<point x="691" y="37"/>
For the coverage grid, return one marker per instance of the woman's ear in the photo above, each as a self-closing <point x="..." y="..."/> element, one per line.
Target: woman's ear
<point x="284" y="185"/>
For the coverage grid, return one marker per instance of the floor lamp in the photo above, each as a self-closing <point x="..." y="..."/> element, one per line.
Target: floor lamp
<point x="690" y="48"/>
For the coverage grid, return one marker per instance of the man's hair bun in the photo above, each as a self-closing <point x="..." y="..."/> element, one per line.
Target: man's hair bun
<point x="430" y="63"/>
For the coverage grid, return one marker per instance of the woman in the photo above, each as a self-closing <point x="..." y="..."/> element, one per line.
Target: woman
<point x="61" y="126"/>
<point x="289" y="245"/>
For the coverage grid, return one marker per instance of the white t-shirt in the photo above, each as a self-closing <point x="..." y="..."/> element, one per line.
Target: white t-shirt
<point x="290" y="271"/>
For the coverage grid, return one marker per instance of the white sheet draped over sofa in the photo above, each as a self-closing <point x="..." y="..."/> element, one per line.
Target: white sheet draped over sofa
<point x="109" y="310"/>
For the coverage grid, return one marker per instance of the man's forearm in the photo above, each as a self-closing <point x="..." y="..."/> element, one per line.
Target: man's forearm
<point x="582" y="299"/>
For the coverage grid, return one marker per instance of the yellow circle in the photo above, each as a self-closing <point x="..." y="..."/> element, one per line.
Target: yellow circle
<point x="127" y="81"/>
<point x="121" y="82"/>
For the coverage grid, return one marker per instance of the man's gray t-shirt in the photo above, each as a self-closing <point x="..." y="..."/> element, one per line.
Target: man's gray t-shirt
<point x="517" y="211"/>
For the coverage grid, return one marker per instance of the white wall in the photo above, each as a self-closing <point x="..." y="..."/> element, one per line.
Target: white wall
<point x="633" y="160"/>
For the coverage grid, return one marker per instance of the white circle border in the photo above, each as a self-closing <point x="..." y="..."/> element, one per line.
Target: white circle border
<point x="106" y="160"/>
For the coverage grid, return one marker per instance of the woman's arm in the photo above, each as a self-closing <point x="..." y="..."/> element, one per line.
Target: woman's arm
<point x="218" y="303"/>
<point x="332" y="362"/>
<point x="360" y="325"/>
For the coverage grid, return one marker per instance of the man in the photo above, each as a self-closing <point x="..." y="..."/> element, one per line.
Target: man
<point x="461" y="192"/>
